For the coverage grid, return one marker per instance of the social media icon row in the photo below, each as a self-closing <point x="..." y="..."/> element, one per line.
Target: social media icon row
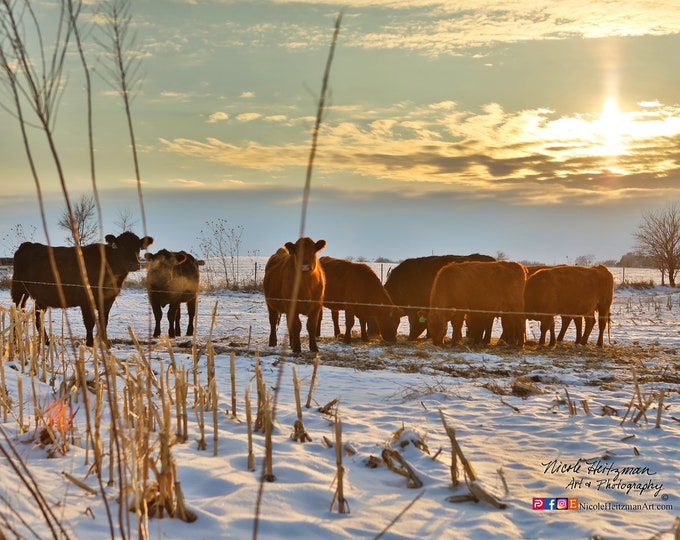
<point x="542" y="503"/>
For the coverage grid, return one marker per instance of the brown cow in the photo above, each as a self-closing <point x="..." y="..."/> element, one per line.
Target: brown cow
<point x="356" y="289"/>
<point x="481" y="288"/>
<point x="410" y="282"/>
<point x="565" y="319"/>
<point x="33" y="276"/>
<point x="172" y="279"/>
<point x="573" y="291"/>
<point x="279" y="284"/>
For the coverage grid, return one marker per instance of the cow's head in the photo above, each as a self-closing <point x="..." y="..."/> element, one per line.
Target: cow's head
<point x="437" y="323"/>
<point x="305" y="250"/>
<point x="124" y="250"/>
<point x="389" y="321"/>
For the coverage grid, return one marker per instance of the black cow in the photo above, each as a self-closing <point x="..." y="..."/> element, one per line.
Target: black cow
<point x="172" y="279"/>
<point x="34" y="276"/>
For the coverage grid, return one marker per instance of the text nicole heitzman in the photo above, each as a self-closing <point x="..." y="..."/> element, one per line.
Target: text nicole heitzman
<point x="605" y="476"/>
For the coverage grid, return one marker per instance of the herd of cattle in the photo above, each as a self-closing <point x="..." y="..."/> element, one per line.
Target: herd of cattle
<point x="431" y="291"/>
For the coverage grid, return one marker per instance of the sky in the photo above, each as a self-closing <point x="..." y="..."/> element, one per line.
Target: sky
<point x="542" y="130"/>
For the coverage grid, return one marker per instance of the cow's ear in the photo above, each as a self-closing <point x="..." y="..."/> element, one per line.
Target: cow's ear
<point x="149" y="256"/>
<point x="146" y="242"/>
<point x="290" y="247"/>
<point x="111" y="240"/>
<point x="320" y="245"/>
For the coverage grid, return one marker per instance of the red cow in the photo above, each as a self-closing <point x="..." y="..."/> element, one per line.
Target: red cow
<point x="34" y="276"/>
<point x="573" y="291"/>
<point x="356" y="289"/>
<point x="295" y="268"/>
<point x="565" y="319"/>
<point x="172" y="279"/>
<point x="410" y="282"/>
<point x="480" y="288"/>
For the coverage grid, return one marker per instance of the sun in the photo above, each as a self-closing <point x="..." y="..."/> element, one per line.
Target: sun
<point x="611" y="127"/>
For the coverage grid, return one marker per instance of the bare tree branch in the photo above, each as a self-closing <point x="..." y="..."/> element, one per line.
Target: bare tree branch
<point x="658" y="237"/>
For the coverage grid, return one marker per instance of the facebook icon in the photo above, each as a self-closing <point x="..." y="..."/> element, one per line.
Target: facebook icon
<point x="550" y="504"/>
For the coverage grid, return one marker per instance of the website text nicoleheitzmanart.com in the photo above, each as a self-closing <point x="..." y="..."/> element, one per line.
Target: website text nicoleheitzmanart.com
<point x="614" y="506"/>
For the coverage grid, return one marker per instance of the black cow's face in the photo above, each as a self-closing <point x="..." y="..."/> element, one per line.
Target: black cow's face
<point x="167" y="261"/>
<point x="305" y="249"/>
<point x="125" y="248"/>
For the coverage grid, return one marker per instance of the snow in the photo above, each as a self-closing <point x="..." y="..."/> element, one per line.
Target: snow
<point x="509" y="409"/>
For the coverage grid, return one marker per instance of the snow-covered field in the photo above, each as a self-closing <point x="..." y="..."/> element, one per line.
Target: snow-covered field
<point x="509" y="408"/>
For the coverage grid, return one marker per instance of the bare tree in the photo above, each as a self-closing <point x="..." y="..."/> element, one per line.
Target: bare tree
<point x="125" y="221"/>
<point x="223" y="244"/>
<point x="16" y="236"/>
<point x="658" y="237"/>
<point x="83" y="219"/>
<point x="585" y="260"/>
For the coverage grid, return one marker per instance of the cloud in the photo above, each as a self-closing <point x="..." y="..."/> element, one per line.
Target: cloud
<point x="175" y="95"/>
<point x="247" y="95"/>
<point x="527" y="157"/>
<point x="217" y="117"/>
<point x="442" y="27"/>
<point x="183" y="182"/>
<point x="248" y="117"/>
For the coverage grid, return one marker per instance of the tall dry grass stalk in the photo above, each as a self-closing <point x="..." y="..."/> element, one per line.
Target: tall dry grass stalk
<point x="299" y="432"/>
<point x="339" y="496"/>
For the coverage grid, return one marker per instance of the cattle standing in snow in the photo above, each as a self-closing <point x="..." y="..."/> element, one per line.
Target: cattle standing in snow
<point x="482" y="288"/>
<point x="356" y="289"/>
<point x="34" y="276"/>
<point x="565" y="319"/>
<point x="573" y="291"/>
<point x="410" y="282"/>
<point x="292" y="268"/>
<point x="172" y="279"/>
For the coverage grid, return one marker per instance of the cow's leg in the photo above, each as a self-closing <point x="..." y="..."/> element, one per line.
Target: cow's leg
<point x="363" y="326"/>
<point x="372" y="327"/>
<point x="457" y="323"/>
<point x="178" y="319"/>
<point x="157" y="315"/>
<point x="578" y="323"/>
<point x="191" y="312"/>
<point x="602" y="321"/>
<point x="544" y="331"/>
<point x="335" y="315"/>
<point x="294" y="329"/>
<point x="104" y="316"/>
<point x="488" y="328"/>
<point x="415" y="326"/>
<point x="590" y="322"/>
<point x="566" y="321"/>
<point x="173" y="310"/>
<point x="475" y="328"/>
<point x="349" y="324"/>
<point x="312" y="323"/>
<point x="89" y="320"/>
<point x="551" y="329"/>
<point x="318" y="324"/>
<point x="510" y="330"/>
<point x="273" y="323"/>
